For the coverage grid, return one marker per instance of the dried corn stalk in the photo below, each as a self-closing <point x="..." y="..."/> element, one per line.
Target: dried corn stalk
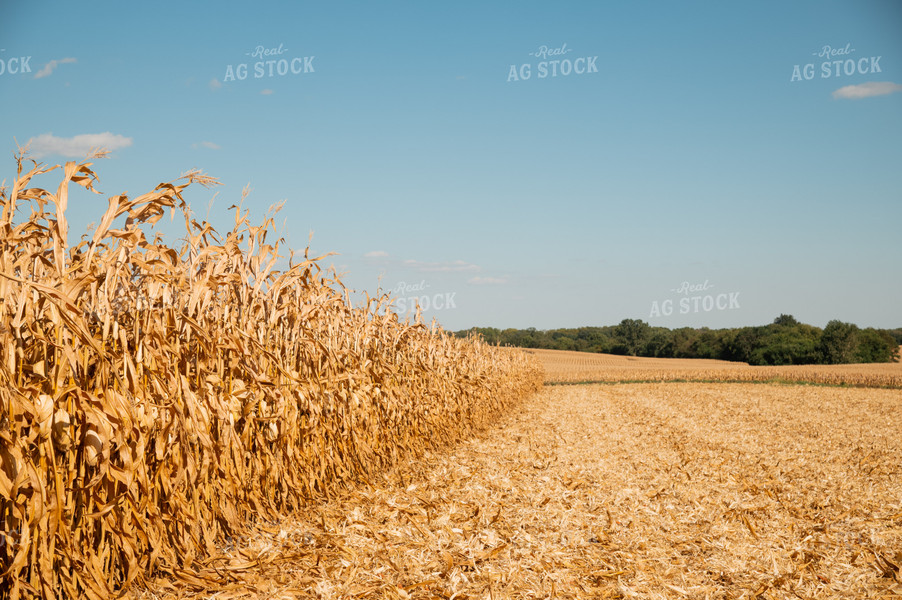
<point x="155" y="400"/>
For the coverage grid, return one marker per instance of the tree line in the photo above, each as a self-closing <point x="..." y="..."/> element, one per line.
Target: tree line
<point x="783" y="342"/>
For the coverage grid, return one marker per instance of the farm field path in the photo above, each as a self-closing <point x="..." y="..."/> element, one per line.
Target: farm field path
<point x="652" y="490"/>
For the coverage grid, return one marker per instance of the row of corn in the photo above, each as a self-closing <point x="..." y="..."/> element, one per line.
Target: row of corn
<point x="155" y="400"/>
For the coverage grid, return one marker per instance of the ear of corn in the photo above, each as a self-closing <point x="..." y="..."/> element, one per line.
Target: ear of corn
<point x="157" y="400"/>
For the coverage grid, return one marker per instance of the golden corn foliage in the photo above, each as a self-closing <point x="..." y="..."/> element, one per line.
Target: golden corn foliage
<point x="156" y="400"/>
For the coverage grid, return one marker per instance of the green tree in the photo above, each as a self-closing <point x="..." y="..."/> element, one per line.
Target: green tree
<point x="786" y="344"/>
<point x="838" y="343"/>
<point x="631" y="334"/>
<point x="659" y="344"/>
<point x="875" y="346"/>
<point x="705" y="344"/>
<point x="683" y="340"/>
<point x="740" y="343"/>
<point x="787" y="320"/>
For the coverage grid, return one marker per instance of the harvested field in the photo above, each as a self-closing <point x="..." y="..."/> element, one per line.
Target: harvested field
<point x="580" y="367"/>
<point x="678" y="490"/>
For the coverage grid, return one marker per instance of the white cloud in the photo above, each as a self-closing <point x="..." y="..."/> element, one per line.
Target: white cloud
<point x="376" y="254"/>
<point x="215" y="84"/>
<point x="867" y="90"/>
<point x="76" y="146"/>
<point x="455" y="265"/>
<point x="267" y="92"/>
<point x="209" y="145"/>
<point x="487" y="281"/>
<point x="52" y="65"/>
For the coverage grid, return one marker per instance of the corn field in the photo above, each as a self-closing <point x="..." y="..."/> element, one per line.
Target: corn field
<point x="155" y="400"/>
<point x="583" y="367"/>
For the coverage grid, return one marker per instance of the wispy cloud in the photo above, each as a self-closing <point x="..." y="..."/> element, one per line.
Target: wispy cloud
<point x="215" y="84"/>
<point x="487" y="280"/>
<point x="434" y="267"/>
<point x="209" y="145"/>
<point x="76" y="146"/>
<point x="52" y="65"/>
<point x="376" y="254"/>
<point x="267" y="92"/>
<point x="867" y="90"/>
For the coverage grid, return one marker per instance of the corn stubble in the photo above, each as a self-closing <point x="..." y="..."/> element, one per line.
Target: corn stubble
<point x="157" y="400"/>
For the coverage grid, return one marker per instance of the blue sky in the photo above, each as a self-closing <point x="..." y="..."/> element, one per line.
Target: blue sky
<point x="689" y="155"/>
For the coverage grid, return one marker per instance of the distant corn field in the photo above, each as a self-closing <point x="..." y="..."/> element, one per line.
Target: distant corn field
<point x="156" y="400"/>
<point x="575" y="367"/>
